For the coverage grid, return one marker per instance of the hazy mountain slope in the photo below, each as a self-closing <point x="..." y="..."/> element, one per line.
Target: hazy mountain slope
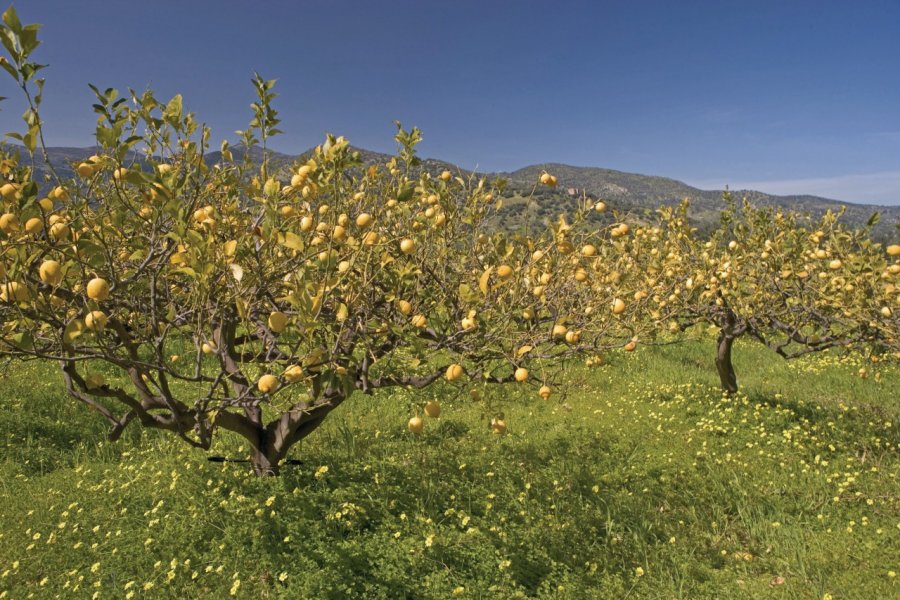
<point x="630" y="192"/>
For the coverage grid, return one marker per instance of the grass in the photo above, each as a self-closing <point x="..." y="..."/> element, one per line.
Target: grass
<point x="642" y="483"/>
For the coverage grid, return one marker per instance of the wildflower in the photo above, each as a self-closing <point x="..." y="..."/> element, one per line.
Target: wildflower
<point x="639" y="572"/>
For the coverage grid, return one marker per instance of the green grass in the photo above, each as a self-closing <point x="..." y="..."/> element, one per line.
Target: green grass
<point x="645" y="466"/>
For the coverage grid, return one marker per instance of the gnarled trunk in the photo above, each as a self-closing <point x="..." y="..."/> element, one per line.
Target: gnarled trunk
<point x="270" y="445"/>
<point x="265" y="464"/>
<point x="727" y="376"/>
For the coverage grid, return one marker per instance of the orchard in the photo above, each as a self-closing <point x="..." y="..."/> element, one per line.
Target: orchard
<point x="276" y="295"/>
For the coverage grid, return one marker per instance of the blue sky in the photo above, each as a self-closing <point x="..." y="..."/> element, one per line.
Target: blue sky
<point x="785" y="97"/>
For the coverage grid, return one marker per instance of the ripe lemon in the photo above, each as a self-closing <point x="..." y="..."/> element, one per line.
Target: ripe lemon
<point x="433" y="409"/>
<point x="14" y="291"/>
<point x="95" y="320"/>
<point x="545" y="392"/>
<point x="454" y="372"/>
<point x="416" y="424"/>
<point x="50" y="272"/>
<point x="98" y="289"/>
<point x="504" y="271"/>
<point x="267" y="384"/>
<point x="893" y="250"/>
<point x="8" y="222"/>
<point x="293" y="374"/>
<point x="59" y="231"/>
<point x="498" y="426"/>
<point x="407" y="246"/>
<point x="363" y="220"/>
<point x="34" y="225"/>
<point x="278" y="321"/>
<point x="618" y="306"/>
<point x="521" y="374"/>
<point x="446" y="175"/>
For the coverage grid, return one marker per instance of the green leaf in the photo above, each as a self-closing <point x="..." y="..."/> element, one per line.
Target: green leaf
<point x="29" y="69"/>
<point x="9" y="68"/>
<point x="30" y="140"/>
<point x="8" y="38"/>
<point x="28" y="39"/>
<point x="106" y="136"/>
<point x="174" y="110"/>
<point x="11" y="18"/>
<point x="406" y="193"/>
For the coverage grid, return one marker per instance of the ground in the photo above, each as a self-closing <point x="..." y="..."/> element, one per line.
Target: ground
<point x="644" y="482"/>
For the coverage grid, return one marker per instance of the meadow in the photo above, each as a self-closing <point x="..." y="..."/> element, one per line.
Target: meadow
<point x="644" y="482"/>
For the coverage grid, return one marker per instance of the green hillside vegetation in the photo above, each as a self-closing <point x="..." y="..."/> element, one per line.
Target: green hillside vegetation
<point x="643" y="482"/>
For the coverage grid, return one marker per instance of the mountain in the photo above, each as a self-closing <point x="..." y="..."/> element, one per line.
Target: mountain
<point x="625" y="192"/>
<point x="632" y="192"/>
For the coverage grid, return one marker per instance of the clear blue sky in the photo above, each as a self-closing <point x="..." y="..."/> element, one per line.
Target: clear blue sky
<point x="784" y="96"/>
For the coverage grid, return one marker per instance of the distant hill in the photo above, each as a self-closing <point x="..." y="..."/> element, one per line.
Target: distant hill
<point x="625" y="192"/>
<point x="635" y="193"/>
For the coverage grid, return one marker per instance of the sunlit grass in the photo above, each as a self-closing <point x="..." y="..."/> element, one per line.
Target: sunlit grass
<point x="642" y="482"/>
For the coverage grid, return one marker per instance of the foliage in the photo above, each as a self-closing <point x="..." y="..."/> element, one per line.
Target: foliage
<point x="277" y="300"/>
<point x="794" y="285"/>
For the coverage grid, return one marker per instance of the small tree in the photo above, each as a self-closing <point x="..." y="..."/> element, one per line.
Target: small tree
<point x="791" y="283"/>
<point x="225" y="296"/>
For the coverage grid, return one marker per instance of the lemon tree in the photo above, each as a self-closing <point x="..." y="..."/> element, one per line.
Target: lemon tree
<point x="795" y="284"/>
<point x="195" y="295"/>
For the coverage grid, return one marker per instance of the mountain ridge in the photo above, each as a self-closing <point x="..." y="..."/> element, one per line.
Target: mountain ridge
<point x="629" y="192"/>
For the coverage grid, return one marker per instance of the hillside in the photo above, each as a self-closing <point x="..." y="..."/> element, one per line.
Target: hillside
<point x="636" y="193"/>
<point x="626" y="192"/>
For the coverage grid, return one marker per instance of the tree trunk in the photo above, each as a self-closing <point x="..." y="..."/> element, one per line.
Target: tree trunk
<point x="265" y="464"/>
<point x="724" y="366"/>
